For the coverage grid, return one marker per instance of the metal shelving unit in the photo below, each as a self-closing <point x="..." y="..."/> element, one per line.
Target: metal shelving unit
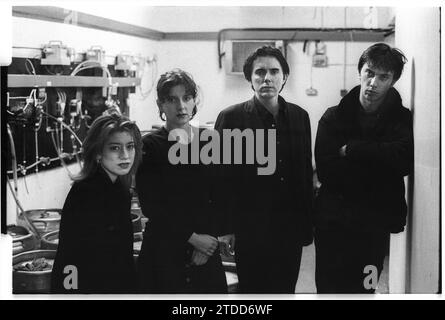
<point x="35" y="81"/>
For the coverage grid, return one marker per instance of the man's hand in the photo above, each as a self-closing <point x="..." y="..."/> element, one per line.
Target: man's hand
<point x="204" y="243"/>
<point x="342" y="151"/>
<point x="227" y="244"/>
<point x="199" y="258"/>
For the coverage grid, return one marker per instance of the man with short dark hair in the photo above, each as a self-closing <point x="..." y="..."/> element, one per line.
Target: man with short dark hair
<point x="364" y="148"/>
<point x="269" y="214"/>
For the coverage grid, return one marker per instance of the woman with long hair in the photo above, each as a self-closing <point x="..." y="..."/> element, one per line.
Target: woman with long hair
<point x="95" y="252"/>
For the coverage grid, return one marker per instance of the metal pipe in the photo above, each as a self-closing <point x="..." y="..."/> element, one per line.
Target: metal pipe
<point x="14" y="190"/>
<point x="294" y="31"/>
<point x="62" y="161"/>
<point x="13" y="159"/>
<point x="63" y="124"/>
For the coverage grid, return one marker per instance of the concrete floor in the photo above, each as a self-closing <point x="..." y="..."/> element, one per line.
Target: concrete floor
<point x="306" y="278"/>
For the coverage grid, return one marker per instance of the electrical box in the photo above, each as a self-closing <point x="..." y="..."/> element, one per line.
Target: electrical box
<point x="237" y="51"/>
<point x="124" y="61"/>
<point x="97" y="54"/>
<point x="320" y="59"/>
<point x="55" y="53"/>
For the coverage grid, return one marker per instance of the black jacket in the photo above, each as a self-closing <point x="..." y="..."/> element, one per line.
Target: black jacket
<point x="247" y="195"/>
<point x="364" y="190"/>
<point x="96" y="236"/>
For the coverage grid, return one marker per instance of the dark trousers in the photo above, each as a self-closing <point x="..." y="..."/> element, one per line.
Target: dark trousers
<point x="267" y="269"/>
<point x="347" y="259"/>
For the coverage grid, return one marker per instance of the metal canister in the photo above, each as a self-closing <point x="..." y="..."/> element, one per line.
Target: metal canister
<point x="22" y="239"/>
<point x="44" y="220"/>
<point x="135" y="207"/>
<point x="137" y="244"/>
<point x="135" y="202"/>
<point x="136" y="221"/>
<point x="50" y="240"/>
<point x="32" y="281"/>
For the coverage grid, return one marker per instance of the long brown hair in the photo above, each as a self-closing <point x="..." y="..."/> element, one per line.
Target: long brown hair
<point x="98" y="134"/>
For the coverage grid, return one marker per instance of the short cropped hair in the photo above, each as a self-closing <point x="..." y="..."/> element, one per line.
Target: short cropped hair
<point x="383" y="56"/>
<point x="265" y="51"/>
<point x="174" y="78"/>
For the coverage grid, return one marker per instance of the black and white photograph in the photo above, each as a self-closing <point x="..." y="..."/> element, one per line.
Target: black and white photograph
<point x="220" y="151"/>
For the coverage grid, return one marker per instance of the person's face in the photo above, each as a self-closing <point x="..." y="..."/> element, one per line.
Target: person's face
<point x="177" y="107"/>
<point x="118" y="154"/>
<point x="375" y="83"/>
<point x="267" y="77"/>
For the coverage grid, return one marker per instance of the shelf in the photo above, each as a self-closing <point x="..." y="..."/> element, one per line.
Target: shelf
<point x="33" y="81"/>
<point x="80" y="19"/>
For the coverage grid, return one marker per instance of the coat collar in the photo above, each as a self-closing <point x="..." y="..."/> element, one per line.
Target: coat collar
<point x="102" y="175"/>
<point x="252" y="104"/>
<point x="254" y="121"/>
<point x="349" y="105"/>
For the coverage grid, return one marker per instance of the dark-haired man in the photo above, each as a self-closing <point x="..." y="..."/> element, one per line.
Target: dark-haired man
<point x="269" y="214"/>
<point x="364" y="148"/>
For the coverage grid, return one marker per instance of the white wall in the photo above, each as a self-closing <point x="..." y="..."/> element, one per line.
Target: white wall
<point x="418" y="35"/>
<point x="174" y="19"/>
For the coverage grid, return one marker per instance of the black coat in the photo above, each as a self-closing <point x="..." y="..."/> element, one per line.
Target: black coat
<point x="178" y="201"/>
<point x="247" y="196"/>
<point x="96" y="236"/>
<point x="364" y="190"/>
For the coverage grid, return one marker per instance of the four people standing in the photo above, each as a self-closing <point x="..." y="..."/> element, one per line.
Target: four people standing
<point x="364" y="148"/>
